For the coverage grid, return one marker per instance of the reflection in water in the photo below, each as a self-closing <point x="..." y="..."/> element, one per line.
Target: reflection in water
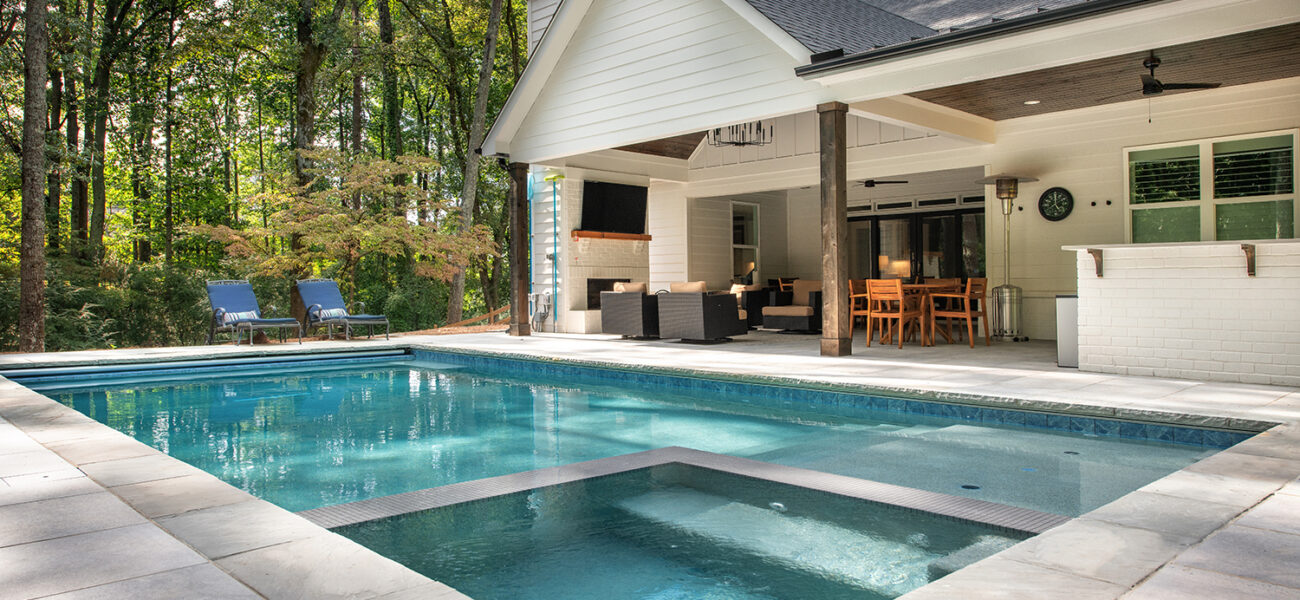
<point x="361" y="431"/>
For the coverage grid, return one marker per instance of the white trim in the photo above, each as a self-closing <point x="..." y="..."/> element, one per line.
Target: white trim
<point x="915" y="113"/>
<point x="764" y="25"/>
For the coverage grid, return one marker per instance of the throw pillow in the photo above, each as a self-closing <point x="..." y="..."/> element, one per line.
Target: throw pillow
<point x="232" y="317"/>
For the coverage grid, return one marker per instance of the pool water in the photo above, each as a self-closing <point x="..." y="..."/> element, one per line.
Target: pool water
<point x="304" y="437"/>
<point x="677" y="532"/>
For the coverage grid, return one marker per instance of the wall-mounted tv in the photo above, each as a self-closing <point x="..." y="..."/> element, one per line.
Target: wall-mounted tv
<point x="613" y="207"/>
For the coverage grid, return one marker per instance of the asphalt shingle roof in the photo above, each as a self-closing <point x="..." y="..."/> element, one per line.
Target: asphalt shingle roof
<point x="862" y="25"/>
<point x="853" y="25"/>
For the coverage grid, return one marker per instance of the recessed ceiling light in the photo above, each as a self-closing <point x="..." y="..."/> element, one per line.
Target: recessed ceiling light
<point x="1031" y="102"/>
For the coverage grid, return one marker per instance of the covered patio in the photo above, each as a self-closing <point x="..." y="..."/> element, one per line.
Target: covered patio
<point x="1055" y="95"/>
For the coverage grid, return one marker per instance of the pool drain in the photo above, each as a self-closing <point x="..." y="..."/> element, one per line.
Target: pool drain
<point x="1072" y="452"/>
<point x="968" y="486"/>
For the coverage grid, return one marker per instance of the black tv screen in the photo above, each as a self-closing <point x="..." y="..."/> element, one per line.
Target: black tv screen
<point x="613" y="207"/>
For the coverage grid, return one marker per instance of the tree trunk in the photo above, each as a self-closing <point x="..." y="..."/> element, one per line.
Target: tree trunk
<point x="115" y="12"/>
<point x="53" y="182"/>
<point x="469" y="191"/>
<point x="31" y="296"/>
<point x="169" y="221"/>
<point x="79" y="220"/>
<point x="356" y="96"/>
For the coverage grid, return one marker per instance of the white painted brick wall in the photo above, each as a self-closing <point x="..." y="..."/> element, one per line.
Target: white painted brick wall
<point x="1190" y="311"/>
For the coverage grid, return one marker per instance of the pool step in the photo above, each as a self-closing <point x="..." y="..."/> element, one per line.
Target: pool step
<point x="859" y="559"/>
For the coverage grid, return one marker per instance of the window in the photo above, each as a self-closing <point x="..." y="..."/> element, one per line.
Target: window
<point x="1238" y="188"/>
<point x="744" y="242"/>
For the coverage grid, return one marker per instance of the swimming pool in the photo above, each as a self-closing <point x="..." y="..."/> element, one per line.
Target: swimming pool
<point x="674" y="531"/>
<point x="314" y="433"/>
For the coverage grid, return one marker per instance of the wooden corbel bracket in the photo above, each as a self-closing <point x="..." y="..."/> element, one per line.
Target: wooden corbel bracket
<point x="1096" y="257"/>
<point x="1249" y="249"/>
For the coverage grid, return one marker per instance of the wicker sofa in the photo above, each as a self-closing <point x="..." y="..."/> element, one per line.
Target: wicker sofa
<point x="690" y="313"/>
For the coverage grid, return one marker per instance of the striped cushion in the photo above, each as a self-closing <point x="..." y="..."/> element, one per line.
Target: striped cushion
<point x="232" y="317"/>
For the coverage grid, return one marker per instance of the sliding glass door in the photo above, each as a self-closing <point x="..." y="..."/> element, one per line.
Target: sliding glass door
<point x="918" y="246"/>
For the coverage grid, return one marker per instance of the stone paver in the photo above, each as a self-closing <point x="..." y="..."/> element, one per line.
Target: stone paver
<point x="199" y="582"/>
<point x="60" y="517"/>
<point x="80" y="561"/>
<point x="1156" y="536"/>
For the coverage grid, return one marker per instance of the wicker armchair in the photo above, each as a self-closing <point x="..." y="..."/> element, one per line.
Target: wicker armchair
<point x="796" y="310"/>
<point x="700" y="317"/>
<point x="631" y="314"/>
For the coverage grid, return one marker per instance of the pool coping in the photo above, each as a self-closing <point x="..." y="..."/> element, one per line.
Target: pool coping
<point x="1245" y="476"/>
<point x="992" y="514"/>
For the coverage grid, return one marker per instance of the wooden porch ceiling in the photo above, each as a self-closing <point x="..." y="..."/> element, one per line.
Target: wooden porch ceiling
<point x="1250" y="57"/>
<point x="680" y="146"/>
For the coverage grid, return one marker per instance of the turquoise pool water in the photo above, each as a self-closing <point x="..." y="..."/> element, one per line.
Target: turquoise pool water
<point x="676" y="532"/>
<point x="316" y="434"/>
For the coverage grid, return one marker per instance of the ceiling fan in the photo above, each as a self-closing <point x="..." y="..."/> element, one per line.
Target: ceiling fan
<point x="875" y="182"/>
<point x="1152" y="86"/>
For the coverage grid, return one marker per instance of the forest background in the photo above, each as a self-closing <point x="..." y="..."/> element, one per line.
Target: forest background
<point x="188" y="140"/>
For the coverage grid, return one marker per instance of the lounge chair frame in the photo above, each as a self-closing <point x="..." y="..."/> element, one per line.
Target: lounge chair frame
<point x="217" y="322"/>
<point x="334" y="299"/>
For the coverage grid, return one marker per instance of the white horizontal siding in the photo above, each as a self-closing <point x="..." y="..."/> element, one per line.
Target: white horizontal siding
<point x="540" y="13"/>
<point x="710" y="242"/>
<point x="638" y="71"/>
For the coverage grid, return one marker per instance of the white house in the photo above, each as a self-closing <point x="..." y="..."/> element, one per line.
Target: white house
<point x="881" y="116"/>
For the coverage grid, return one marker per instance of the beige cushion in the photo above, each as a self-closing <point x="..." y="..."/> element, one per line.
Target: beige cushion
<point x="738" y="288"/>
<point x="787" y="311"/>
<point x="688" y="286"/>
<point x="633" y="286"/>
<point x="803" y="287"/>
<point x="744" y="315"/>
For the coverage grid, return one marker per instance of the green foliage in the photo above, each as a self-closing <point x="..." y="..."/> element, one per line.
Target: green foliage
<point x="201" y="136"/>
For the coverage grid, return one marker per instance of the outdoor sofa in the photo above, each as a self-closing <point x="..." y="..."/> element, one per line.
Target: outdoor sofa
<point x="690" y="313"/>
<point x="630" y="311"/>
<point x="797" y="310"/>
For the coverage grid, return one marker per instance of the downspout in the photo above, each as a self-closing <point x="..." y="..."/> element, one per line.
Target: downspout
<point x="554" y="176"/>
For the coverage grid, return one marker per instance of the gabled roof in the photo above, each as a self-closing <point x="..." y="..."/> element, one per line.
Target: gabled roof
<point x="851" y="25"/>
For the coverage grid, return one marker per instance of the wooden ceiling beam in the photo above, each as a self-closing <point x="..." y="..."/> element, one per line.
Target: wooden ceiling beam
<point x="914" y="113"/>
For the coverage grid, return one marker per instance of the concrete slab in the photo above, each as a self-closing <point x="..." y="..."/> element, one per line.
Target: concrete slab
<point x="998" y="578"/>
<point x="1176" y="582"/>
<point x="177" y="495"/>
<point x="1100" y="550"/>
<point x="1171" y="515"/>
<point x="1257" y="554"/>
<point x="1280" y="513"/>
<point x="21" y="490"/>
<point x="199" y="582"/>
<point x="81" y="561"/>
<point x="294" y="570"/>
<point x="59" y="517"/>
<point x="221" y="531"/>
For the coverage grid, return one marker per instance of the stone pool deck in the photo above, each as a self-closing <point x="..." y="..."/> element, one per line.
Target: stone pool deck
<point x="86" y="512"/>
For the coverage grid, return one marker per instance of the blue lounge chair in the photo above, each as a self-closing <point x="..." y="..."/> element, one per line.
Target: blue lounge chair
<point x="324" y="306"/>
<point x="235" y="309"/>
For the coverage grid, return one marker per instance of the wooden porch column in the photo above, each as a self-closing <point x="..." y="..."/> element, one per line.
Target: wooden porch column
<point x="835" y="265"/>
<point x="519" y="248"/>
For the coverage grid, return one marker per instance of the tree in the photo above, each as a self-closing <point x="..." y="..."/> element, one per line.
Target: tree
<point x="469" y="191"/>
<point x="31" y="312"/>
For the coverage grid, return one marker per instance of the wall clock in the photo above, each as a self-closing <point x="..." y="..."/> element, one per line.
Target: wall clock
<point x="1055" y="204"/>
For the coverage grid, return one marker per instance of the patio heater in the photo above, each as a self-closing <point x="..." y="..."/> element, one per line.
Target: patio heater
<point x="1007" y="298"/>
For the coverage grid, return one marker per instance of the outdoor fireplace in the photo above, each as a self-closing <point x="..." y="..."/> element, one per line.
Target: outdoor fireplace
<point x="595" y="286"/>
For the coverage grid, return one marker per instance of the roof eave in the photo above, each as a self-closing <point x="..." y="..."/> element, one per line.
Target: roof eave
<point x="1043" y="19"/>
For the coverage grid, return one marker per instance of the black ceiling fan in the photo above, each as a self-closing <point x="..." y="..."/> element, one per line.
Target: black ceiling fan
<point x="1152" y="86"/>
<point x="875" y="182"/>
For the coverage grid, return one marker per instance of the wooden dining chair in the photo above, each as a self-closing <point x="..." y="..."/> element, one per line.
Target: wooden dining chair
<point x="969" y="305"/>
<point x="889" y="306"/>
<point x="859" y="304"/>
<point x="945" y="285"/>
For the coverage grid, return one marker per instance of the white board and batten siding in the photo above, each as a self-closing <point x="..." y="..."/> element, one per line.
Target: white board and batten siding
<point x="797" y="135"/>
<point x="661" y="68"/>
